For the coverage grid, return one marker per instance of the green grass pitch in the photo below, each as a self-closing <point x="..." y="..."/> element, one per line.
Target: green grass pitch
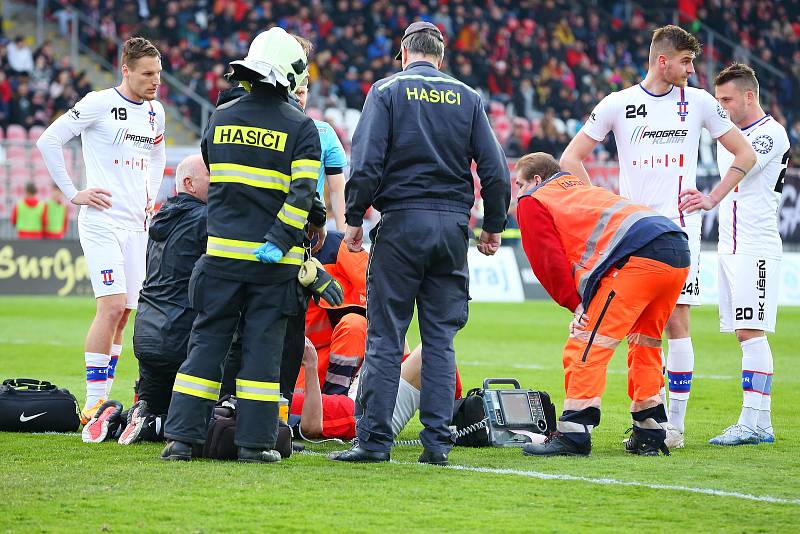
<point x="55" y="483"/>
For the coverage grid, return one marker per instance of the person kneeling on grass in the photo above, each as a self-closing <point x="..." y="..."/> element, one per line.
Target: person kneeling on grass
<point x="164" y="319"/>
<point x="619" y="266"/>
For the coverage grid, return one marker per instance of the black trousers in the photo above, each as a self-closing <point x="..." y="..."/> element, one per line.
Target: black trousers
<point x="221" y="305"/>
<point x="292" y="358"/>
<point x="417" y="256"/>
<point x="156" y="377"/>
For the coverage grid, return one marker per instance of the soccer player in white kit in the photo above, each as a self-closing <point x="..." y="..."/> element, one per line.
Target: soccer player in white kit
<point x="750" y="251"/>
<point x="657" y="125"/>
<point x="122" y="132"/>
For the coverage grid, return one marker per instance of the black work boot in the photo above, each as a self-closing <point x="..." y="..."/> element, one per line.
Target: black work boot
<point x="258" y="456"/>
<point x="177" y="450"/>
<point x="359" y="455"/>
<point x="433" y="457"/>
<point x="557" y="444"/>
<point x="643" y="444"/>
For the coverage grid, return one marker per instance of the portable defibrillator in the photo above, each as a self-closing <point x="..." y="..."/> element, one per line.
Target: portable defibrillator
<point x="503" y="417"/>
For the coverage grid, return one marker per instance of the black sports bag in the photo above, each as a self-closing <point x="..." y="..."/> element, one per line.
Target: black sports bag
<point x="28" y="405"/>
<point x="219" y="443"/>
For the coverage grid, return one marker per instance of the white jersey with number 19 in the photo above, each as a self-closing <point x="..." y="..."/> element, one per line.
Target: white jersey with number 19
<point x="119" y="137"/>
<point x="748" y="216"/>
<point x="657" y="139"/>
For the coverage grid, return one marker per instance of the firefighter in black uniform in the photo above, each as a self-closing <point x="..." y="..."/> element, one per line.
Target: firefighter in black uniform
<point x="264" y="157"/>
<point x="412" y="150"/>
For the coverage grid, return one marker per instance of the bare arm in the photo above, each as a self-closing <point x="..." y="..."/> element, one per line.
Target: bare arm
<point x="744" y="159"/>
<point x="578" y="150"/>
<point x="335" y="183"/>
<point x="311" y="415"/>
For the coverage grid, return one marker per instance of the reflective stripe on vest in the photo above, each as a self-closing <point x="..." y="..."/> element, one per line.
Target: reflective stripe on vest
<point x="29" y="219"/>
<point x="590" y="221"/>
<point x="252" y="176"/>
<point x="243" y="250"/>
<point x="55" y="217"/>
<point x="196" y="386"/>
<point x="258" y="391"/>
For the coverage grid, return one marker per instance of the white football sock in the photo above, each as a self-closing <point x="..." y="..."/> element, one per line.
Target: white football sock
<point x="754" y="379"/>
<point x="680" y="367"/>
<point x="405" y="406"/>
<point x="96" y="377"/>
<point x="116" y="350"/>
<point x="764" y="415"/>
<point x="756" y="382"/>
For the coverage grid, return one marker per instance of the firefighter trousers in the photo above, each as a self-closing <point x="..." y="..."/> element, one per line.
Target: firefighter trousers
<point x="222" y="304"/>
<point x="633" y="301"/>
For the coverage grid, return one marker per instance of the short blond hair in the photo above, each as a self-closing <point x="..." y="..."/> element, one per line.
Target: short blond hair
<point x="540" y="163"/>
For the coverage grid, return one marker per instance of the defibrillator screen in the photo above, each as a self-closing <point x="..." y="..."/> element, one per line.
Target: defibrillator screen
<point x="516" y="407"/>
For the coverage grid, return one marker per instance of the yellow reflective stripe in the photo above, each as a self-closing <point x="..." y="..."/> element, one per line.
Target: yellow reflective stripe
<point x="198" y="380"/>
<point x="305" y="168"/>
<point x="232" y="255"/>
<point x="296" y="211"/>
<point x="293" y="216"/>
<point x="252" y="176"/>
<point x="234" y="242"/>
<point x="249" y="181"/>
<point x="293" y="257"/>
<point x="243" y="250"/>
<point x="259" y="391"/>
<point x="425" y="78"/>
<point x="248" y="170"/>
<point x="197" y="387"/>
<point x="257" y="384"/>
<point x="194" y="392"/>
<point x="314" y="163"/>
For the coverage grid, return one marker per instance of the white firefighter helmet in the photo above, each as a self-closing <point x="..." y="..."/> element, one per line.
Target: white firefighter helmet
<point x="273" y="55"/>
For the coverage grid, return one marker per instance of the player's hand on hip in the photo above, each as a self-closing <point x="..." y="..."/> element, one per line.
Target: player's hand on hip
<point x="95" y="197"/>
<point x="354" y="238"/>
<point x="321" y="233"/>
<point x="268" y="253"/>
<point x="488" y="243"/>
<point x="693" y="200"/>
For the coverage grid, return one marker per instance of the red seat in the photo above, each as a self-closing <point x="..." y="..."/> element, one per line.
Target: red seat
<point x="17" y="155"/>
<point x="35" y="133"/>
<point x="16" y="133"/>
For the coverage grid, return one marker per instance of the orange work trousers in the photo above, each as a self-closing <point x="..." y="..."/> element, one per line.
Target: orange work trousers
<point x="633" y="301"/>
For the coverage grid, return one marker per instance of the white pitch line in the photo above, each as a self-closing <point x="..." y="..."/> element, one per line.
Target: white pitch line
<point x="600" y="481"/>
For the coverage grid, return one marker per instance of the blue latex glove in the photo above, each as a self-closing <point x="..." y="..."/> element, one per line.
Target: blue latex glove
<point x="268" y="253"/>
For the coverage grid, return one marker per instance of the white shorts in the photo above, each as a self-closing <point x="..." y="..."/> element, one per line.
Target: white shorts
<point x="748" y="292"/>
<point x="691" y="290"/>
<point x="115" y="258"/>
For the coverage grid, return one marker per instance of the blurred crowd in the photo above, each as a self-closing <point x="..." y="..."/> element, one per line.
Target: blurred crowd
<point x="542" y="64"/>
<point x="36" y="85"/>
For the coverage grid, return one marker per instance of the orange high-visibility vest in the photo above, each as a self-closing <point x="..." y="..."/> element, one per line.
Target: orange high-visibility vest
<point x="591" y="222"/>
<point x="350" y="269"/>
